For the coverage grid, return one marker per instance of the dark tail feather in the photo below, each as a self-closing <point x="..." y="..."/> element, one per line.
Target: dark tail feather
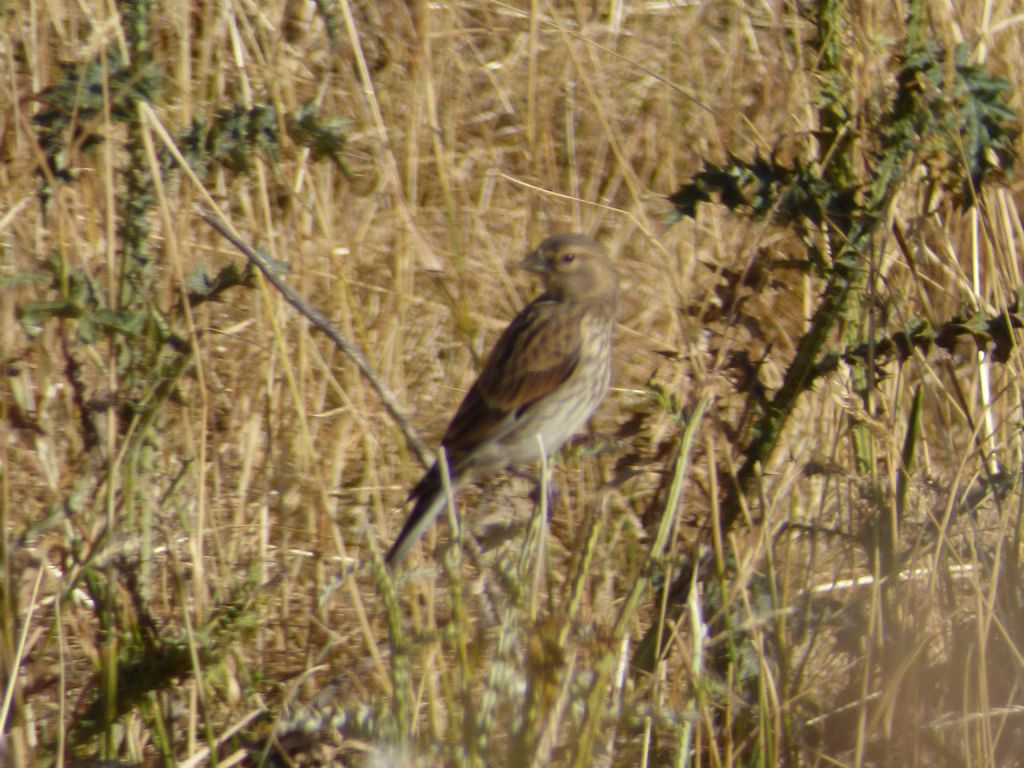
<point x="430" y="502"/>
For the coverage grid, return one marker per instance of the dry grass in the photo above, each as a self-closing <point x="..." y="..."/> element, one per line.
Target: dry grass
<point x="206" y="580"/>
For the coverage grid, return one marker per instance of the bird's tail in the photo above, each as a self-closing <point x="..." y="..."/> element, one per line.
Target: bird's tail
<point x="430" y="502"/>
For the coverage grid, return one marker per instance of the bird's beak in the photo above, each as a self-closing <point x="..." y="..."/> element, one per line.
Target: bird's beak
<point x="535" y="263"/>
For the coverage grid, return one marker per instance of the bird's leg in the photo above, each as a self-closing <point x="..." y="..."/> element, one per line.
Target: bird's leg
<point x="554" y="489"/>
<point x="554" y="493"/>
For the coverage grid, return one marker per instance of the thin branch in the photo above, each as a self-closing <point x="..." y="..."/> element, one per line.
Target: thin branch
<point x="320" y="321"/>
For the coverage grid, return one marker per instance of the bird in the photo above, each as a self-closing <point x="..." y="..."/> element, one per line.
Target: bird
<point x="543" y="379"/>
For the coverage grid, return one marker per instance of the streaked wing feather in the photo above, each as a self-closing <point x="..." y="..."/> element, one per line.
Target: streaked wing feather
<point x="537" y="353"/>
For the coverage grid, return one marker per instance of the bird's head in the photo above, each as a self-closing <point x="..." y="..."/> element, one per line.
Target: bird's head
<point x="573" y="268"/>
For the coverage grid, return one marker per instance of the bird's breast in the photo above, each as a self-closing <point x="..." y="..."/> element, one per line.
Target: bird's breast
<point x="560" y="413"/>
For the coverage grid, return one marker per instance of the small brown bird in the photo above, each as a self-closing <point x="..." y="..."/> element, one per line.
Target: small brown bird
<point x="545" y="376"/>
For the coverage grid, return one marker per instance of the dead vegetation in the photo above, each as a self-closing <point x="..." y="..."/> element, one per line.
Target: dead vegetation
<point x="792" y="534"/>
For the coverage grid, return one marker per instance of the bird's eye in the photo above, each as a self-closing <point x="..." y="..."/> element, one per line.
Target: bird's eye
<point x="567" y="258"/>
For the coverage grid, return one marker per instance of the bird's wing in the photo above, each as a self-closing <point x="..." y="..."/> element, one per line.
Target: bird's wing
<point x="537" y="352"/>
